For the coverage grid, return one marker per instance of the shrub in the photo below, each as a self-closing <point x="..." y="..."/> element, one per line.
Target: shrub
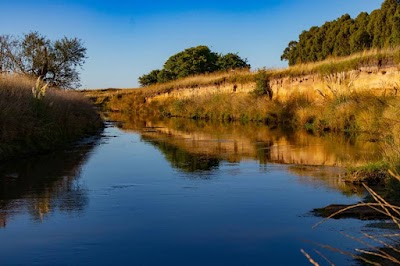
<point x="262" y="85"/>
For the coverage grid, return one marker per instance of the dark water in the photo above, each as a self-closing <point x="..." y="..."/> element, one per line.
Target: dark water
<point x="178" y="193"/>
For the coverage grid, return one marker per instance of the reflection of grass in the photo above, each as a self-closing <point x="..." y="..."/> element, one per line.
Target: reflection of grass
<point x="257" y="141"/>
<point x="329" y="175"/>
<point x="305" y="170"/>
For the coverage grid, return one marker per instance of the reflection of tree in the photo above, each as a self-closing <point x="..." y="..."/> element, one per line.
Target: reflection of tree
<point x="179" y="158"/>
<point x="48" y="183"/>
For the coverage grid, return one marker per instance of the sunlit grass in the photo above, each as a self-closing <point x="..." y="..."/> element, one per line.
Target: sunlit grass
<point x="29" y="124"/>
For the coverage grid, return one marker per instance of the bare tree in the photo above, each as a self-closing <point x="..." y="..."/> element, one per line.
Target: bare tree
<point x="6" y="64"/>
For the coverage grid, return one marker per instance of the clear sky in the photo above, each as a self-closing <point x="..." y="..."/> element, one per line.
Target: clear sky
<point x="125" y="39"/>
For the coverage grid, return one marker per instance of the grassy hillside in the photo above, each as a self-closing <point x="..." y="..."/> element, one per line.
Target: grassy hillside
<point x="367" y="59"/>
<point x="29" y="125"/>
<point x="328" y="102"/>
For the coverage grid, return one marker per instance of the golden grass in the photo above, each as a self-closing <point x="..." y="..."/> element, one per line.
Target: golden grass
<point x="29" y="125"/>
<point x="217" y="79"/>
<point x="367" y="58"/>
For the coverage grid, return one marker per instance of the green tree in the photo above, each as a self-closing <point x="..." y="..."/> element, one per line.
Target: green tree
<point x="55" y="61"/>
<point x="192" y="61"/>
<point x="345" y="35"/>
<point x="165" y="76"/>
<point x="361" y="21"/>
<point x="342" y="45"/>
<point x="150" y="78"/>
<point x="395" y="36"/>
<point x="290" y="54"/>
<point x="360" y="41"/>
<point x="231" y="61"/>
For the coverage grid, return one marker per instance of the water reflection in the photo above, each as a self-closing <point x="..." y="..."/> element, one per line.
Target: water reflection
<point x="181" y="139"/>
<point x="43" y="184"/>
<point x="314" y="175"/>
<point x="245" y="213"/>
<point x="182" y="159"/>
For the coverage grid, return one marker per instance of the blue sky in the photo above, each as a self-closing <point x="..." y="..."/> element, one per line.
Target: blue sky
<point x="126" y="39"/>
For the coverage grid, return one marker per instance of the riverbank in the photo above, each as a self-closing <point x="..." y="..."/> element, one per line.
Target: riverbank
<point x="29" y="125"/>
<point x="350" y="95"/>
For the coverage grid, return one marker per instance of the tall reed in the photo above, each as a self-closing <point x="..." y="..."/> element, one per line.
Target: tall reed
<point x="31" y="124"/>
<point x="381" y="249"/>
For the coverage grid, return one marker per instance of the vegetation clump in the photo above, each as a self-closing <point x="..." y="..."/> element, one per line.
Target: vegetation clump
<point x="375" y="173"/>
<point x="40" y="122"/>
<point x="263" y="86"/>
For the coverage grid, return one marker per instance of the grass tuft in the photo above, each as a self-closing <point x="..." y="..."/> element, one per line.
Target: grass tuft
<point x="30" y="124"/>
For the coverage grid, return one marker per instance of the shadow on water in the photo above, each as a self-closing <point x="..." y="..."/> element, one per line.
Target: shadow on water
<point x="44" y="184"/>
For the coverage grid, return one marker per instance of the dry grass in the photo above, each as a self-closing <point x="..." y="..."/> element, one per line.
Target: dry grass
<point x="29" y="125"/>
<point x="388" y="252"/>
<point x="367" y="58"/>
<point x="213" y="79"/>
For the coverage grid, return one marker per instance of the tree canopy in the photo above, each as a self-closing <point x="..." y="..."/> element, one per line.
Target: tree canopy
<point x="345" y="35"/>
<point x="193" y="61"/>
<point x="56" y="62"/>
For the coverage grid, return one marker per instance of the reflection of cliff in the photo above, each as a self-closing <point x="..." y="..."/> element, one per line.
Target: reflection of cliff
<point x="49" y="182"/>
<point x="235" y="142"/>
<point x="180" y="158"/>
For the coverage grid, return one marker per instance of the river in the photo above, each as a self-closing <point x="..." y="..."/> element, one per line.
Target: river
<point x="180" y="192"/>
